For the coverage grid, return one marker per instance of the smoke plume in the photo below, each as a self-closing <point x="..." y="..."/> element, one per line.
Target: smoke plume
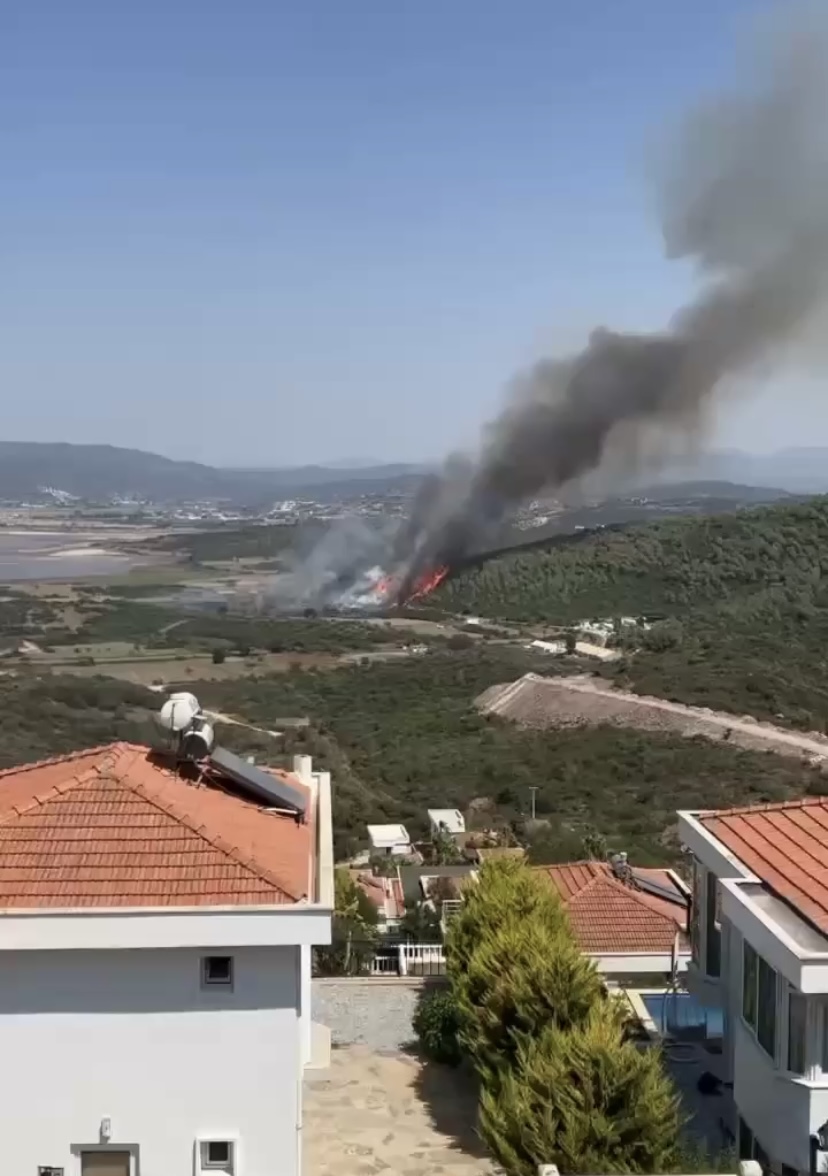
<point x="745" y="197"/>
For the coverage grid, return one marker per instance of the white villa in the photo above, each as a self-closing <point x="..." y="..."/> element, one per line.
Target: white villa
<point x="156" y="925"/>
<point x="759" y="951"/>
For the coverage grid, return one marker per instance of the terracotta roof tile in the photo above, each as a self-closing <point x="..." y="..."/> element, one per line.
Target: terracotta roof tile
<point x="114" y="827"/>
<point x="608" y="915"/>
<point x="786" y="846"/>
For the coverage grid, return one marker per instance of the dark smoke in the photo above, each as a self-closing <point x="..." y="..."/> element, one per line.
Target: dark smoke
<point x="745" y="196"/>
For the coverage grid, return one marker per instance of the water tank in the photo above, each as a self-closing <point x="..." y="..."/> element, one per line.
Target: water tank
<point x="178" y="712"/>
<point x="197" y="743"/>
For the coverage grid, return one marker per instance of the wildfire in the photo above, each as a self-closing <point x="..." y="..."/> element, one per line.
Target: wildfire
<point x="427" y="583"/>
<point x="387" y="587"/>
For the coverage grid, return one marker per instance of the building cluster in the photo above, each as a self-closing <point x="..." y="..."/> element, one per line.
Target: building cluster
<point x="157" y="928"/>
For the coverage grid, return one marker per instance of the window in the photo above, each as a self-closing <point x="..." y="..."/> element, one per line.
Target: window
<point x="759" y="998"/>
<point x="797" y="1011"/>
<point x="766" y="1014"/>
<point x="695" y="911"/>
<point x="745" y="1140"/>
<point x="750" y="1148"/>
<point x="218" y="1157"/>
<point x="217" y="971"/>
<point x="761" y="1156"/>
<point x="714" y="934"/>
<point x="749" y="968"/>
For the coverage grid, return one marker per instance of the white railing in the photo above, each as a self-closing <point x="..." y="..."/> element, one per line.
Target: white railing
<point x="421" y="959"/>
<point x="385" y="965"/>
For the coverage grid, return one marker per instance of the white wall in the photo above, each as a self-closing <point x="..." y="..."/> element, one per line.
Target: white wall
<point x="131" y="1035"/>
<point x="781" y="1112"/>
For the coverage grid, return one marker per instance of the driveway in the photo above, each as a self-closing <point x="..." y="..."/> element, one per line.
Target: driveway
<point x="372" y="1113"/>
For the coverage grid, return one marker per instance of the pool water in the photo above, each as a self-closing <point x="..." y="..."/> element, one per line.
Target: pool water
<point x="677" y="1011"/>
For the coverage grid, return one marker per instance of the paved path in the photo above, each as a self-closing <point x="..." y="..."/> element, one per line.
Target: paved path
<point x="374" y="1113"/>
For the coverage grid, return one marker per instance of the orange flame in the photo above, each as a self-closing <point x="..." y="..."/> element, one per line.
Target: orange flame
<point x="427" y="583"/>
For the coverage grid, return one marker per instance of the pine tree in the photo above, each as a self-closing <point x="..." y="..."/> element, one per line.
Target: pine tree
<point x="584" y="1099"/>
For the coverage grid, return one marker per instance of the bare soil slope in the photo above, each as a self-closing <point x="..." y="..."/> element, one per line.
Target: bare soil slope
<point x="538" y="702"/>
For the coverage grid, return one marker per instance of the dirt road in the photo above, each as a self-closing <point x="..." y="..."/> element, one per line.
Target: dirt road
<point x="535" y="701"/>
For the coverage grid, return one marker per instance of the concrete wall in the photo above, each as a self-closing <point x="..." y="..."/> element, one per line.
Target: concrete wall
<point x="372" y="1012"/>
<point x="132" y="1037"/>
<point x="781" y="1112"/>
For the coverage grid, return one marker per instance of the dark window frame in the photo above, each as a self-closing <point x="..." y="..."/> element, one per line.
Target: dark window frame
<point x="212" y="981"/>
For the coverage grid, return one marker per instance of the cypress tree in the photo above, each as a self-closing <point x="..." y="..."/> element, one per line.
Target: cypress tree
<point x="584" y="1099"/>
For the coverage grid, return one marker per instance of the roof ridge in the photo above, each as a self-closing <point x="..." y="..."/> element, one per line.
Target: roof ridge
<point x="216" y="841"/>
<point x="797" y="802"/>
<point x="92" y="773"/>
<point x="69" y="757"/>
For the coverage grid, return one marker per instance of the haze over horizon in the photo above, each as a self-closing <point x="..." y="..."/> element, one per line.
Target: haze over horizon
<point x="280" y="235"/>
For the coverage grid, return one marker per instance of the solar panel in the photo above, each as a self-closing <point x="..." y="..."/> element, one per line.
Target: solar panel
<point x="270" y="790"/>
<point x="654" y="888"/>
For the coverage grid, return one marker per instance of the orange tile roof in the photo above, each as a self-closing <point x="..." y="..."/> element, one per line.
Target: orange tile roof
<point x="115" y="827"/>
<point x="785" y="845"/>
<point x="608" y="915"/>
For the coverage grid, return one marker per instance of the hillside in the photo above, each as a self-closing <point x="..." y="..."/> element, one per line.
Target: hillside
<point x="402" y="737"/>
<point x="103" y="471"/>
<point x="744" y="597"/>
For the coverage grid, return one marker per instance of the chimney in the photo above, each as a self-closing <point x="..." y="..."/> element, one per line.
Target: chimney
<point x="303" y="768"/>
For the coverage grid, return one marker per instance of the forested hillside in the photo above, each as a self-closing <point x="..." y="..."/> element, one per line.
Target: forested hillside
<point x="745" y="597"/>
<point x="402" y="737"/>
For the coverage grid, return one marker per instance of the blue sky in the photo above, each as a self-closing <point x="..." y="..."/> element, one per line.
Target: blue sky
<point x="282" y="231"/>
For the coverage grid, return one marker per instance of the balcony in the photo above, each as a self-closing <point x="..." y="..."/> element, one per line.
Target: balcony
<point x="781" y="1110"/>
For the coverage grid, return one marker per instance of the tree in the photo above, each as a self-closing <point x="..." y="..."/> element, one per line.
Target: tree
<point x="571" y="641"/>
<point x="441" y="890"/>
<point x="514" y="964"/>
<point x="584" y="1099"/>
<point x="219" y="656"/>
<point x="522" y="976"/>
<point x="505" y="892"/>
<point x="420" y="922"/>
<point x="594" y="846"/>
<point x="444" y="850"/>
<point x="353" y="929"/>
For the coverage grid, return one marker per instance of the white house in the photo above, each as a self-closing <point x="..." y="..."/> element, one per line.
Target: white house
<point x="389" y="839"/>
<point x="449" y="821"/>
<point x="156" y="925"/>
<point x="759" y="943"/>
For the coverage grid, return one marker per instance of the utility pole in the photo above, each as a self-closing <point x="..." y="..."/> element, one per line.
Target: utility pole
<point x="533" y="788"/>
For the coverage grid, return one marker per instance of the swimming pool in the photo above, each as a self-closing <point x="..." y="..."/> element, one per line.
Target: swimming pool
<point x="674" y="1012"/>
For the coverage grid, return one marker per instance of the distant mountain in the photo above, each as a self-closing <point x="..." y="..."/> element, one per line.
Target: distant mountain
<point x="101" y="472"/>
<point x="797" y="470"/>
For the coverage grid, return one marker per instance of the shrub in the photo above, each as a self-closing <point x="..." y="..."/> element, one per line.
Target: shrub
<point x="583" y="1099"/>
<point x="219" y="656"/>
<point x="514" y="964"/>
<point x="436" y="1025"/>
<point x="506" y="892"/>
<point x="523" y="976"/>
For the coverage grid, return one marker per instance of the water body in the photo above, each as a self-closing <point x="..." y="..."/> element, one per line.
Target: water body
<point x="57" y="556"/>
